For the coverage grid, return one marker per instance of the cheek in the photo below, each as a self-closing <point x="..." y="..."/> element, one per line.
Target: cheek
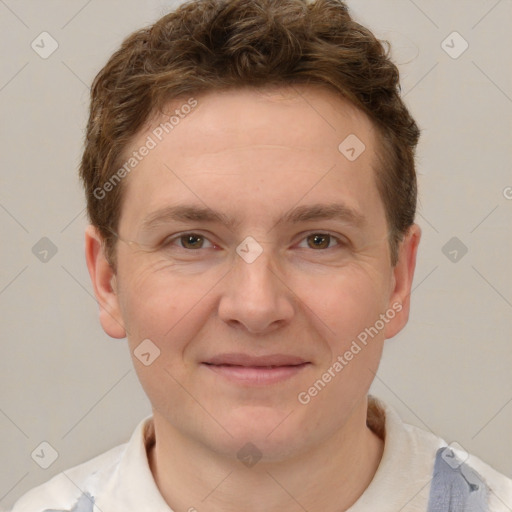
<point x="169" y="313"/>
<point x="351" y="305"/>
<point x="166" y="305"/>
<point x="150" y="305"/>
<point x="347" y="301"/>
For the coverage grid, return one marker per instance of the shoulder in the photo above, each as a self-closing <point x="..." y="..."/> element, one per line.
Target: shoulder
<point x="498" y="486"/>
<point x="448" y="469"/>
<point x="120" y="479"/>
<point x="72" y="490"/>
<point x="454" y="470"/>
<point x="109" y="476"/>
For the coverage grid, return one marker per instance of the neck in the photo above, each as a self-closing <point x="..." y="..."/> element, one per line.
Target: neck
<point x="329" y="477"/>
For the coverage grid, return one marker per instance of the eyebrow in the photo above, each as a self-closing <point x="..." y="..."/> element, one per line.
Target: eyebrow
<point x="304" y="213"/>
<point x="330" y="211"/>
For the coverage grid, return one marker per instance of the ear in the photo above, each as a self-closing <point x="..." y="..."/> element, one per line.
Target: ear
<point x="403" y="274"/>
<point x="103" y="280"/>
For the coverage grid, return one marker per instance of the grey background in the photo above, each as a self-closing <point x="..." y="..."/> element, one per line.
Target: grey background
<point x="66" y="382"/>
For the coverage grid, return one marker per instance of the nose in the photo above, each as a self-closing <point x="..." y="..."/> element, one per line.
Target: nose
<point x="255" y="296"/>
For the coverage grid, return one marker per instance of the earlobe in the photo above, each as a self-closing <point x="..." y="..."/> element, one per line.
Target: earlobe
<point x="403" y="274"/>
<point x="104" y="281"/>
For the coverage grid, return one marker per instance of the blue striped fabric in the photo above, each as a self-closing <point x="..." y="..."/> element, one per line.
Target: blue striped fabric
<point x="455" y="486"/>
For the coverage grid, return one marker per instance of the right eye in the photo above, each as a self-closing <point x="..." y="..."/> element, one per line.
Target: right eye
<point x="187" y="241"/>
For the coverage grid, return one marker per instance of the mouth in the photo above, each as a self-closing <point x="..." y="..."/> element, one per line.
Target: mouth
<point x="256" y="370"/>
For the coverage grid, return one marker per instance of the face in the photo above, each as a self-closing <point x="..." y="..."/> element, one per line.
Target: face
<point x="254" y="256"/>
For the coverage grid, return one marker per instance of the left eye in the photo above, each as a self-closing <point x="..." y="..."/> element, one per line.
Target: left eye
<point x="320" y="240"/>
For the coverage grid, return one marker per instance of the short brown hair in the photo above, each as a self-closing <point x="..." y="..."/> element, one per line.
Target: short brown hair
<point x="208" y="45"/>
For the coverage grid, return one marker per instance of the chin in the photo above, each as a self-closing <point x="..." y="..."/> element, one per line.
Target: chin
<point x="273" y="432"/>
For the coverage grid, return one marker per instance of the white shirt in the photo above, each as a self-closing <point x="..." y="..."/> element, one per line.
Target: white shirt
<point x="120" y="480"/>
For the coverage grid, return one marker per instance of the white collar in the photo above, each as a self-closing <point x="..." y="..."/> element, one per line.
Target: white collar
<point x="408" y="453"/>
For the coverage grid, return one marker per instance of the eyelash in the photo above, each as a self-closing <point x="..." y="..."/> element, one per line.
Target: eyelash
<point x="168" y="241"/>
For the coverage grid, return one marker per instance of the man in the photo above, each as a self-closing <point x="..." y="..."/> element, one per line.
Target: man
<point x="250" y="181"/>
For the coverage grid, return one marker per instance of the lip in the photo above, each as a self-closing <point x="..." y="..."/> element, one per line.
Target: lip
<point x="239" y="359"/>
<point x="256" y="370"/>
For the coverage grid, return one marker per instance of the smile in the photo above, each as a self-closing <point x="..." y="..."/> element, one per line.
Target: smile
<point x="256" y="371"/>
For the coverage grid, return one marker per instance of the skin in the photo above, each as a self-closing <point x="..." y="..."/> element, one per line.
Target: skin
<point x="236" y="154"/>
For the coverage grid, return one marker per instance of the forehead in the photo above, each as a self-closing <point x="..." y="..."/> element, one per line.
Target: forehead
<point x="232" y="117"/>
<point x="277" y="142"/>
